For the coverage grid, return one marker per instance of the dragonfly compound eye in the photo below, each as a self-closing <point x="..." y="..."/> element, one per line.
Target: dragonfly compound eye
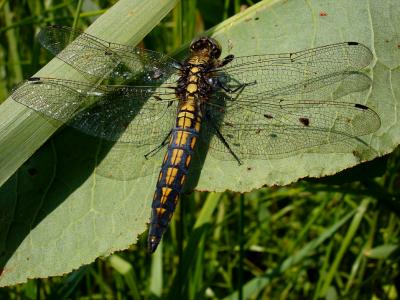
<point x="206" y="44"/>
<point x="215" y="47"/>
<point x="197" y="44"/>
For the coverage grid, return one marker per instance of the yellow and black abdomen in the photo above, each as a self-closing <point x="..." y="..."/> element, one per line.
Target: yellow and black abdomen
<point x="193" y="89"/>
<point x="176" y="164"/>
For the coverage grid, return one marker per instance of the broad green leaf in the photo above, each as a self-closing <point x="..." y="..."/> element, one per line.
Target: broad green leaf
<point x="57" y="213"/>
<point x="273" y="27"/>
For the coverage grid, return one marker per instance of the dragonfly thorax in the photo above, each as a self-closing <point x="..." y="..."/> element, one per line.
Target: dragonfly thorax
<point x="194" y="81"/>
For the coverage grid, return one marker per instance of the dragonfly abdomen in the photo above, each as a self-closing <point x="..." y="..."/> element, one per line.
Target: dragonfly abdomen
<point x="174" y="169"/>
<point x="193" y="90"/>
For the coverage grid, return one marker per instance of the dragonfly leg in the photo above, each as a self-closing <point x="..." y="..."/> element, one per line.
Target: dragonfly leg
<point x="159" y="147"/>
<point x="226" y="60"/>
<point x="236" y="89"/>
<point x="223" y="140"/>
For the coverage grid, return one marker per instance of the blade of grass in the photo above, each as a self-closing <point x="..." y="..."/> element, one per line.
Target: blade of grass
<point x="241" y="246"/>
<point x="191" y="251"/>
<point x="3" y="83"/>
<point x="156" y="276"/>
<point x="14" y="60"/>
<point x="355" y="224"/>
<point x="69" y="284"/>
<point x="77" y="14"/>
<point x="255" y="285"/>
<point x="126" y="270"/>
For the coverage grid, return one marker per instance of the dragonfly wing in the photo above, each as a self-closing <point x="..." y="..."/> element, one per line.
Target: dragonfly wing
<point x="122" y="161"/>
<point x="126" y="114"/>
<point x="101" y="59"/>
<point x="271" y="128"/>
<point x="288" y="104"/>
<point x="298" y="73"/>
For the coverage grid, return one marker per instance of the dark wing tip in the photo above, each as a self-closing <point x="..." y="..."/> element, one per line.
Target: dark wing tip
<point x="19" y="85"/>
<point x="34" y="79"/>
<point x="361" y="106"/>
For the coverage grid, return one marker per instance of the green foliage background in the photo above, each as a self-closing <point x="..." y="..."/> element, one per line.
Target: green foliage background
<point x="331" y="238"/>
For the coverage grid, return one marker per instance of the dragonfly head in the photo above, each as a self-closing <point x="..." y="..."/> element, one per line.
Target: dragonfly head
<point x="206" y="45"/>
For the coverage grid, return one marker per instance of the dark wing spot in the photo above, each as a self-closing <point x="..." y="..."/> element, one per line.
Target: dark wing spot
<point x="268" y="116"/>
<point x="34" y="79"/>
<point x="273" y="135"/>
<point x="107" y="52"/>
<point x="304" y="121"/>
<point x="352" y="43"/>
<point x="360" y="106"/>
<point x="157" y="97"/>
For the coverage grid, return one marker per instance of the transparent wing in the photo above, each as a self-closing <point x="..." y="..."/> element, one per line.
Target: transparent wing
<point x="124" y="161"/>
<point x="291" y="102"/>
<point x="127" y="114"/>
<point x="275" y="128"/>
<point x="101" y="59"/>
<point x="290" y="74"/>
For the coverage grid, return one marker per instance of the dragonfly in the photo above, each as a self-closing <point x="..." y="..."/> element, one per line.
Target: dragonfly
<point x="243" y="107"/>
